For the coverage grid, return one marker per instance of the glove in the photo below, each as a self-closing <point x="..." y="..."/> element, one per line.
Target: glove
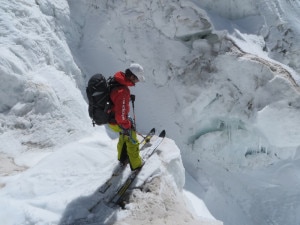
<point x="125" y="131"/>
<point x="132" y="98"/>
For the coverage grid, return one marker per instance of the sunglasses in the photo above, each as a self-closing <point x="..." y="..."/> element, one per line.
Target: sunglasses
<point x="134" y="78"/>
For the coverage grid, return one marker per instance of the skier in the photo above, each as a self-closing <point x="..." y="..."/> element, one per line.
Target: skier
<point x="128" y="145"/>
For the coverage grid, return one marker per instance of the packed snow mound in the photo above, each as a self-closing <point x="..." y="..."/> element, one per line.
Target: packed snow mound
<point x="60" y="188"/>
<point x="155" y="197"/>
<point x="162" y="200"/>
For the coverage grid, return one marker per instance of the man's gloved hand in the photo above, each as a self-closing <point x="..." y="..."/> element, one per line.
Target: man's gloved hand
<point x="125" y="131"/>
<point x="132" y="98"/>
<point x="132" y="123"/>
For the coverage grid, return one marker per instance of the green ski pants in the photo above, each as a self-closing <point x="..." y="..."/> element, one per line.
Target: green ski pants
<point x="129" y="144"/>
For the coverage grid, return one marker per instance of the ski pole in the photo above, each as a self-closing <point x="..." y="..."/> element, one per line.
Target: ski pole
<point x="138" y="133"/>
<point x="132" y="97"/>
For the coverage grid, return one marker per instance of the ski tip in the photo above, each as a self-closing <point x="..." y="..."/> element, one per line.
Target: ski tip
<point x="152" y="131"/>
<point x="162" y="134"/>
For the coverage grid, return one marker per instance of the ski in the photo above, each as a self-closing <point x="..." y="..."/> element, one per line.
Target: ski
<point x="147" y="138"/>
<point x="119" y="169"/>
<point x="118" y="197"/>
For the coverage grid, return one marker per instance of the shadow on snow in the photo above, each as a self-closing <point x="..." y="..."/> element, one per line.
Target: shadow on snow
<point x="89" y="210"/>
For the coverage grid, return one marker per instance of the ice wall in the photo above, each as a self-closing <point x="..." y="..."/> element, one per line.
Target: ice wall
<point x="39" y="98"/>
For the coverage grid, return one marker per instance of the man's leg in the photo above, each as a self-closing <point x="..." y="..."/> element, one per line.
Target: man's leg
<point x="122" y="155"/>
<point x="133" y="151"/>
<point x="121" y="146"/>
<point x="132" y="146"/>
<point x="122" y="150"/>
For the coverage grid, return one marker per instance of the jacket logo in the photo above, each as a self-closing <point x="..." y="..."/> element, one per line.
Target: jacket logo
<point x="123" y="109"/>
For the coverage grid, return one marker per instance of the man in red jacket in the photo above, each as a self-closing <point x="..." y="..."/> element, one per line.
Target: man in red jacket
<point x="128" y="145"/>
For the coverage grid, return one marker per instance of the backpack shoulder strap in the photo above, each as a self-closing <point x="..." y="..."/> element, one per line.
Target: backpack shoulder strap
<point x="112" y="83"/>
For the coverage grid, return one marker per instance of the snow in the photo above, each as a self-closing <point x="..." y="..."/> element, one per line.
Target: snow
<point x="221" y="77"/>
<point x="58" y="185"/>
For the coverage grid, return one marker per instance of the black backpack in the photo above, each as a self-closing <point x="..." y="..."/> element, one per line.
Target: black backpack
<point x="98" y="94"/>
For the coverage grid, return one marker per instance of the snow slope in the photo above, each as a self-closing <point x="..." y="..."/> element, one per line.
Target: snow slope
<point x="63" y="186"/>
<point x="222" y="79"/>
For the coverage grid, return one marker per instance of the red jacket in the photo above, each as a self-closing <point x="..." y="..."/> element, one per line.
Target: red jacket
<point x="120" y="97"/>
